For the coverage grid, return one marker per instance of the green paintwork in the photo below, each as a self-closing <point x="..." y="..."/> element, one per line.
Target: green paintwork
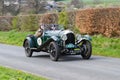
<point x="55" y="35"/>
<point x="33" y="41"/>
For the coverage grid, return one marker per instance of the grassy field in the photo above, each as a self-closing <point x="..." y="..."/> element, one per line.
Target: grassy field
<point x="10" y="74"/>
<point x="91" y="2"/>
<point x="101" y="45"/>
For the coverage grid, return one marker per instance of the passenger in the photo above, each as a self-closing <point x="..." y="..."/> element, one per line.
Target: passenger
<point x="39" y="32"/>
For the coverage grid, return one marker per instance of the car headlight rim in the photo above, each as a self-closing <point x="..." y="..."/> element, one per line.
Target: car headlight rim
<point x="64" y="37"/>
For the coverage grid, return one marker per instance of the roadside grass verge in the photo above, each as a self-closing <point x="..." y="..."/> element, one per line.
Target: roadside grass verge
<point x="106" y="46"/>
<point x="13" y="37"/>
<point x="10" y="74"/>
<point x="102" y="46"/>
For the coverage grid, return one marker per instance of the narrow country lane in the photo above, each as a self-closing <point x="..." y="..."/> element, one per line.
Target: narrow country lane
<point x="67" y="68"/>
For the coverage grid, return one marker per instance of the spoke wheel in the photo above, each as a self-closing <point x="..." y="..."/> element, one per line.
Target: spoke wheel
<point x="86" y="48"/>
<point x="28" y="51"/>
<point x="54" y="51"/>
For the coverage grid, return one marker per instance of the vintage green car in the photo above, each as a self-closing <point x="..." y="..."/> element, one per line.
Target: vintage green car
<point x="59" y="42"/>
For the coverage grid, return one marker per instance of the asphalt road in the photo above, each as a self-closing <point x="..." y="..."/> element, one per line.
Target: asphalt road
<point x="68" y="68"/>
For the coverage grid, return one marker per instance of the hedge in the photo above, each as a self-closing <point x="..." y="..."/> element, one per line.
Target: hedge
<point x="105" y="21"/>
<point x="5" y="23"/>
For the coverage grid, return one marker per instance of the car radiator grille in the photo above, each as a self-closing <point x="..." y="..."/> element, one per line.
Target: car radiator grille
<point x="70" y="38"/>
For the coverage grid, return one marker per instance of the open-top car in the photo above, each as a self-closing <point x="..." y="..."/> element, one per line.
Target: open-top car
<point x="58" y="42"/>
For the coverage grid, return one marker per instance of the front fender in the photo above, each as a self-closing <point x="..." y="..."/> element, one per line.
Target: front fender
<point x="30" y="41"/>
<point x="85" y="38"/>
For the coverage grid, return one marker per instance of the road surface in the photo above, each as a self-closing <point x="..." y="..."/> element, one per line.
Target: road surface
<point x="67" y="68"/>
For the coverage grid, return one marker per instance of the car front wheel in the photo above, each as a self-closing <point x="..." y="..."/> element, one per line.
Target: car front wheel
<point x="86" y="49"/>
<point x="28" y="51"/>
<point x="54" y="51"/>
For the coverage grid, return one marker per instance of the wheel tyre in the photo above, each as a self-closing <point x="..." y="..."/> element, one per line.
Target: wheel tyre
<point x="54" y="51"/>
<point x="87" y="50"/>
<point x="28" y="51"/>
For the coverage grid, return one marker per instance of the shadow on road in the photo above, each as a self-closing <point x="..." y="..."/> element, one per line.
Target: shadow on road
<point x="63" y="58"/>
<point x="41" y="56"/>
<point x="74" y="58"/>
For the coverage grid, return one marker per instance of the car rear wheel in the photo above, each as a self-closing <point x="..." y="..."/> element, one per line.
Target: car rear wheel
<point x="86" y="49"/>
<point x="28" y="51"/>
<point x="54" y="51"/>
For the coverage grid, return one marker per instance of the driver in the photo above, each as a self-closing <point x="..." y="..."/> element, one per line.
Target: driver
<point x="53" y="27"/>
<point x="39" y="32"/>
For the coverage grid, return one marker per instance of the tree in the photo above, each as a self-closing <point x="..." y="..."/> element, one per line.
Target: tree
<point x="10" y="7"/>
<point x="38" y="5"/>
<point x="1" y="3"/>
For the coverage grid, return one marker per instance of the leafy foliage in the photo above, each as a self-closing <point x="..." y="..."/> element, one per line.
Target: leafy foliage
<point x="15" y="23"/>
<point x="29" y="23"/>
<point x="105" y="21"/>
<point x="63" y="19"/>
<point x="5" y="23"/>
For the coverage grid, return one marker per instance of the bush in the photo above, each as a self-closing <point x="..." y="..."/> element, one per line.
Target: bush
<point x="5" y="23"/>
<point x="71" y="19"/>
<point x="83" y="21"/>
<point x="63" y="19"/>
<point x="15" y="23"/>
<point x="29" y="23"/>
<point x="104" y="21"/>
<point x="49" y="18"/>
